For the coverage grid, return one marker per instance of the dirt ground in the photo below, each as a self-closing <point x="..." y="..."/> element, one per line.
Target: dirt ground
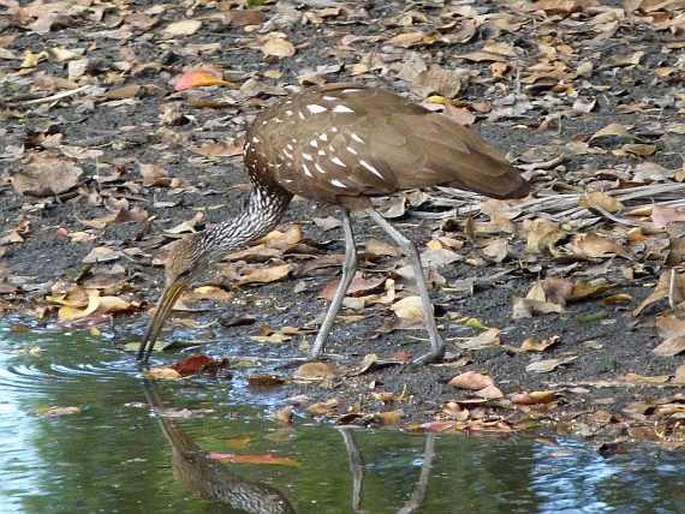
<point x="101" y="160"/>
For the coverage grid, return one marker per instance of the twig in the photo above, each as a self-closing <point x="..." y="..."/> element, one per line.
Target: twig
<point x="56" y="96"/>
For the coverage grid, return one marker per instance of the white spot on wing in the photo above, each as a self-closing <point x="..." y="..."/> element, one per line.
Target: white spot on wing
<point x="334" y="129"/>
<point x="350" y="90"/>
<point x="316" y="108"/>
<point x="323" y="137"/>
<point x="306" y="170"/>
<point x="289" y="112"/>
<point x="357" y="138"/>
<point x="290" y="147"/>
<point x="331" y="98"/>
<point x="321" y="152"/>
<point x="337" y="183"/>
<point x="371" y="169"/>
<point x="288" y="154"/>
<point x="299" y="113"/>
<point x="307" y="156"/>
<point x="313" y="143"/>
<point x="340" y="108"/>
<point x="319" y="168"/>
<point x="352" y="150"/>
<point x="336" y="160"/>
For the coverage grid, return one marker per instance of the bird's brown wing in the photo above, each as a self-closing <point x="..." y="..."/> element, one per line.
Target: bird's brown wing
<point x="355" y="142"/>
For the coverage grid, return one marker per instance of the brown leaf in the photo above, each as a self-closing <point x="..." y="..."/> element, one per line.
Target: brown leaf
<point x="525" y="308"/>
<point x="497" y="250"/>
<point x="533" y="345"/>
<point x="662" y="216"/>
<point x="377" y="248"/>
<point x="541" y="235"/>
<point x="645" y="379"/>
<point x="409" y="309"/>
<point x="360" y="285"/>
<point x="662" y="289"/>
<point x="265" y="275"/>
<point x="46" y="175"/>
<point x="471" y="380"/>
<point x="613" y="129"/>
<point x="277" y="47"/>
<point x="161" y="373"/>
<point x="547" y="365"/>
<point x="407" y="39"/>
<point x="487" y="339"/>
<point x="533" y="397"/>
<point x="679" y="375"/>
<point x="593" y="246"/>
<point x="192" y="365"/>
<point x="438" y="80"/>
<point x="182" y="28"/>
<point x="154" y="175"/>
<point x="101" y="254"/>
<point x="670" y="347"/>
<point x="600" y="199"/>
<point x="327" y="223"/>
<point x="314" y="371"/>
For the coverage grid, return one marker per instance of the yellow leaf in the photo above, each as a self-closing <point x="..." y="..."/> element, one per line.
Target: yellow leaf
<point x="69" y="313"/>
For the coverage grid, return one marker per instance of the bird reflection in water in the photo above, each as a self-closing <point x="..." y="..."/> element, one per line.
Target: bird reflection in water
<point x="209" y="478"/>
<point x="357" y="471"/>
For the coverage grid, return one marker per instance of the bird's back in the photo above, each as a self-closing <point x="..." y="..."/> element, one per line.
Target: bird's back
<point x="343" y="143"/>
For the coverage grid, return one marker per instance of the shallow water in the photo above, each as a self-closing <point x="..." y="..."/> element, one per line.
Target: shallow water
<point x="118" y="455"/>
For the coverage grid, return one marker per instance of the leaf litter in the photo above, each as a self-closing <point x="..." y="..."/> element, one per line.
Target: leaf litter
<point x="597" y="132"/>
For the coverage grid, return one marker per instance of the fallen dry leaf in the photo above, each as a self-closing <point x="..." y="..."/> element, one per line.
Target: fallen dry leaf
<point x="533" y="397"/>
<point x="182" y="28"/>
<point x="199" y="78"/>
<point x="547" y="365"/>
<point x="278" y="47"/>
<point x="471" y="380"/>
<point x="265" y="275"/>
<point x="46" y="175"/>
<point x="314" y="371"/>
<point x="409" y="309"/>
<point x="487" y="339"/>
<point x="670" y="347"/>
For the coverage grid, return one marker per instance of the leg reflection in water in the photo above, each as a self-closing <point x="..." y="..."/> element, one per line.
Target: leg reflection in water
<point x="209" y="478"/>
<point x="357" y="471"/>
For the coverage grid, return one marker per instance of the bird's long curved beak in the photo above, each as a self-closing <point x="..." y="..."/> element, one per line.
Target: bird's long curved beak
<point x="166" y="303"/>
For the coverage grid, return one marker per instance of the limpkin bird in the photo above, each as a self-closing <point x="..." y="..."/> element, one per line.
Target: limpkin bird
<point x="342" y="145"/>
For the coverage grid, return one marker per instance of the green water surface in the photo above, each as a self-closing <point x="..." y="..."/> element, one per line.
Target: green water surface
<point x="136" y="448"/>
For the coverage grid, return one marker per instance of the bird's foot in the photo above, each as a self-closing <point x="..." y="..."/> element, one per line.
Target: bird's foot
<point x="436" y="354"/>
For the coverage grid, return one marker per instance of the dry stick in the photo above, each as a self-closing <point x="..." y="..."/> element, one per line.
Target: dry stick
<point x="671" y="289"/>
<point x="56" y="96"/>
<point x="562" y="206"/>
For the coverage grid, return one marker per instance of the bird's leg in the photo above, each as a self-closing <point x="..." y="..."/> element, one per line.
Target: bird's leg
<point x="348" y="269"/>
<point x="437" y="351"/>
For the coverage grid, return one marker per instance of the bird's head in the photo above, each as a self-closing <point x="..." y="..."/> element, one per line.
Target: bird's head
<point x="185" y="262"/>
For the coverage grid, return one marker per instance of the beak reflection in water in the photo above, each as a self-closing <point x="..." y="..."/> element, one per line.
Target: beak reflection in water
<point x="166" y="303"/>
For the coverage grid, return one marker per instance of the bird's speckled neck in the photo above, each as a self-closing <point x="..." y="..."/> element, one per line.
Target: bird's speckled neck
<point x="264" y="209"/>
